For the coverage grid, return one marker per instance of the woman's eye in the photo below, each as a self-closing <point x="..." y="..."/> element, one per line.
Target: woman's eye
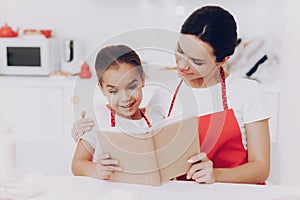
<point x="132" y="87"/>
<point x="198" y="62"/>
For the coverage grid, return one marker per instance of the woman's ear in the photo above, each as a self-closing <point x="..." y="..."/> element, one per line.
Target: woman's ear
<point x="220" y="64"/>
<point x="101" y="88"/>
<point x="143" y="79"/>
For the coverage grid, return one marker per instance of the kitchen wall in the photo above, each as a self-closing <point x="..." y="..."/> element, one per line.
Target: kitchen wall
<point x="91" y="22"/>
<point x="289" y="129"/>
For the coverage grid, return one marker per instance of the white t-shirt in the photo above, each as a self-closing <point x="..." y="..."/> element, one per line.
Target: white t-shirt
<point x="244" y="96"/>
<point x="102" y="122"/>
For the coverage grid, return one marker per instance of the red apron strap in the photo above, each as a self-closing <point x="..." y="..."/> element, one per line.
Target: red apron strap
<point x="112" y="118"/>
<point x="224" y="95"/>
<point x="174" y="97"/>
<point x="146" y="119"/>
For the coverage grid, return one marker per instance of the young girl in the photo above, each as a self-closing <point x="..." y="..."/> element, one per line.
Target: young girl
<point x="121" y="79"/>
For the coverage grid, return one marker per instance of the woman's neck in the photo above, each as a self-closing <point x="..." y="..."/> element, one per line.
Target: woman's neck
<point x="206" y="82"/>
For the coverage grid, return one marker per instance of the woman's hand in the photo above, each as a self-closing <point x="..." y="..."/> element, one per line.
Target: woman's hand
<point x="106" y="166"/>
<point x="202" y="169"/>
<point x="82" y="126"/>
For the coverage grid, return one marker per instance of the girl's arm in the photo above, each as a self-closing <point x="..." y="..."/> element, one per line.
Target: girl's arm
<point x="256" y="170"/>
<point x="83" y="165"/>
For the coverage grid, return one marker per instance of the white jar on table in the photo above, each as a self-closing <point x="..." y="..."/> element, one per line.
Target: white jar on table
<point x="7" y="150"/>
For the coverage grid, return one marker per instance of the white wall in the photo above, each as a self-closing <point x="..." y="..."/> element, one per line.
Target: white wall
<point x="3" y="9"/>
<point x="91" y="22"/>
<point x="289" y="129"/>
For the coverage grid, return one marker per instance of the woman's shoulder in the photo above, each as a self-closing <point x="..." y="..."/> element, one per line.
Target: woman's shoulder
<point x="242" y="83"/>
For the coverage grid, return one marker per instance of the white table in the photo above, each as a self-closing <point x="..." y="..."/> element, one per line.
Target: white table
<point x="75" y="188"/>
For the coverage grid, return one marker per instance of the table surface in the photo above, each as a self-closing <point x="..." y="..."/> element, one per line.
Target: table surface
<point x="70" y="187"/>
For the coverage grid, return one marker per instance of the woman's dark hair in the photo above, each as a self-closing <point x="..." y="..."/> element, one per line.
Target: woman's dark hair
<point x="114" y="56"/>
<point x="215" y="26"/>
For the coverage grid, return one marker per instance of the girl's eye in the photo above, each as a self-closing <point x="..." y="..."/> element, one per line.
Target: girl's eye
<point x="132" y="87"/>
<point x="113" y="91"/>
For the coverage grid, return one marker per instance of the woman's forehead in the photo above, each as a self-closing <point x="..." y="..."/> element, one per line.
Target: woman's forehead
<point x="193" y="47"/>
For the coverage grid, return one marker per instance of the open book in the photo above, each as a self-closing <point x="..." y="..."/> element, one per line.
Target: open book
<point x="155" y="156"/>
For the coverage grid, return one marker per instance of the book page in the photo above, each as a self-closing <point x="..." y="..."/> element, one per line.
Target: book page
<point x="175" y="141"/>
<point x="135" y="154"/>
<point x="155" y="156"/>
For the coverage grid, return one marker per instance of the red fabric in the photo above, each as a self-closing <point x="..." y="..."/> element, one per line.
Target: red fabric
<point x="220" y="138"/>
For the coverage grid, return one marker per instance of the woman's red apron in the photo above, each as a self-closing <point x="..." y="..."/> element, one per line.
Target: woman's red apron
<point x="220" y="135"/>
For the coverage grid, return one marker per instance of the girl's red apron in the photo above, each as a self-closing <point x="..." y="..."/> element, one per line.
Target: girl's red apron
<point x="220" y="136"/>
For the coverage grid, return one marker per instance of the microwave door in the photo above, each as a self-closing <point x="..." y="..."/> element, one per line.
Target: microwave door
<point x="23" y="57"/>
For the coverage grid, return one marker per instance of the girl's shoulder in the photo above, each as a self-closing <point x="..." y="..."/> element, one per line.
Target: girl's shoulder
<point x="101" y="108"/>
<point x="102" y="115"/>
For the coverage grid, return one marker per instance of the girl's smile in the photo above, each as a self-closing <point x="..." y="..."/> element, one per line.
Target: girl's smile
<point x="128" y="106"/>
<point x="122" y="86"/>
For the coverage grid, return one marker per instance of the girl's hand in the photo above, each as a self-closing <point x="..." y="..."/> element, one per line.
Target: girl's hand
<point x="106" y="166"/>
<point x="202" y="169"/>
<point x="81" y="126"/>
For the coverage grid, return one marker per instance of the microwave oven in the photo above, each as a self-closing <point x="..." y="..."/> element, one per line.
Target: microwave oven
<point x="36" y="56"/>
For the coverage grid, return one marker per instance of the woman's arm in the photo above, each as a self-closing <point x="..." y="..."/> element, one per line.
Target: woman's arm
<point x="256" y="170"/>
<point x="81" y="126"/>
<point x="82" y="164"/>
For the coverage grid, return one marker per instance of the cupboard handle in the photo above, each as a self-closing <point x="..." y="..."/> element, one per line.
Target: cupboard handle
<point x="75" y="100"/>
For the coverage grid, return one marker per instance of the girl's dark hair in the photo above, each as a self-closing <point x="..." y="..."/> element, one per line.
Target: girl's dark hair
<point x="114" y="56"/>
<point x="215" y="26"/>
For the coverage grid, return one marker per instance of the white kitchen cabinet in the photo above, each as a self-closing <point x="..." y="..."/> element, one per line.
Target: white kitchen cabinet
<point x="40" y="110"/>
<point x="36" y="113"/>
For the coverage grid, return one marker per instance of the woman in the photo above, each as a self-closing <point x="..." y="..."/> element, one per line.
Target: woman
<point x="233" y="123"/>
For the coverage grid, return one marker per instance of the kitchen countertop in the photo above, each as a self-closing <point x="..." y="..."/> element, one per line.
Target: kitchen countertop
<point x="43" y="81"/>
<point x="75" y="188"/>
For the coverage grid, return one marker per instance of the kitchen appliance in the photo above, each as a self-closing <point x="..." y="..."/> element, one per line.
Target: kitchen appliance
<point x="29" y="56"/>
<point x="72" y="56"/>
